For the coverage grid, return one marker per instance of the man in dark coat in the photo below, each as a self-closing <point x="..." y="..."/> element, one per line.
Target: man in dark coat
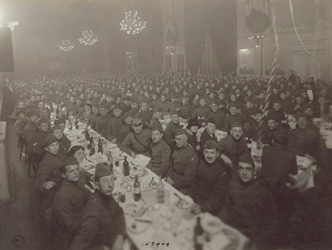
<point x="103" y="121"/>
<point x="102" y="224"/>
<point x="171" y="129"/>
<point x="48" y="177"/>
<point x="115" y="124"/>
<point x="183" y="163"/>
<point x="32" y="126"/>
<point x="64" y="142"/>
<point x="249" y="206"/>
<point x="138" y="141"/>
<point x="208" y="133"/>
<point x="211" y="180"/>
<point x="68" y="203"/>
<point x="160" y="152"/>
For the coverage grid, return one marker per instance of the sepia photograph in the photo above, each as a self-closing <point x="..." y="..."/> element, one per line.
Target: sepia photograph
<point x="165" y="124"/>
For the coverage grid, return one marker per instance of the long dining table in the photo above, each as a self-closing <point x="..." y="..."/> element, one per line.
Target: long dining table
<point x="151" y="224"/>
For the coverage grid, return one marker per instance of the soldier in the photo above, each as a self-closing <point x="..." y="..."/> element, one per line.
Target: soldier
<point x="160" y="152"/>
<point x="103" y="121"/>
<point x="32" y="126"/>
<point x="138" y="141"/>
<point x="102" y="224"/>
<point x="171" y="129"/>
<point x="211" y="180"/>
<point x="208" y="133"/>
<point x="64" y="142"/>
<point x="68" y="203"/>
<point x="115" y="124"/>
<point x="48" y="175"/>
<point x="183" y="163"/>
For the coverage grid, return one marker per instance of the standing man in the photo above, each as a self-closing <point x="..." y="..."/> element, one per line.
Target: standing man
<point x="160" y="152"/>
<point x="183" y="163"/>
<point x="102" y="224"/>
<point x="211" y="180"/>
<point x="32" y="126"/>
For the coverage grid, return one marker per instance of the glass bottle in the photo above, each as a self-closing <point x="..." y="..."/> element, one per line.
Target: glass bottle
<point x="137" y="189"/>
<point x="198" y="234"/>
<point x="125" y="167"/>
<point x="160" y="192"/>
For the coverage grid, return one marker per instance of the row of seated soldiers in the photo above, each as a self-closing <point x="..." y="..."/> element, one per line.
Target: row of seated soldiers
<point x="187" y="164"/>
<point x="220" y="175"/>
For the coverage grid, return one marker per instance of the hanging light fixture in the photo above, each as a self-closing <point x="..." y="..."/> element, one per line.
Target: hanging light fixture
<point x="10" y="24"/>
<point x="132" y="23"/>
<point x="66" y="45"/>
<point x="88" y="38"/>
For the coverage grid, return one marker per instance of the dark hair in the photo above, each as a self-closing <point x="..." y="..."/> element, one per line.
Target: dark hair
<point x="74" y="149"/>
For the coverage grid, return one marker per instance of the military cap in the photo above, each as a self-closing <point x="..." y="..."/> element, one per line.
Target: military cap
<point x="32" y="112"/>
<point x="137" y="122"/>
<point x="181" y="132"/>
<point x="236" y="124"/>
<point x="102" y="170"/>
<point x="246" y="158"/>
<point x="211" y="144"/>
<point x="156" y="127"/>
<point x="232" y="105"/>
<point x="43" y="120"/>
<point x="56" y="127"/>
<point x="50" y="138"/>
<point x="211" y="120"/>
<point x="192" y="123"/>
<point x="60" y="121"/>
<point x="157" y="109"/>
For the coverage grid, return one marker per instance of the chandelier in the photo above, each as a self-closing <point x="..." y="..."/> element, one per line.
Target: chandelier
<point x="88" y="38"/>
<point x="66" y="45"/>
<point x="9" y="24"/>
<point x="132" y="23"/>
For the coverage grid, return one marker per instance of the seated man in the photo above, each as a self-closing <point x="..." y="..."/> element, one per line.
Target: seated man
<point x="137" y="141"/>
<point x="68" y="203"/>
<point x="208" y="133"/>
<point x="48" y="177"/>
<point x="160" y="152"/>
<point x="272" y="126"/>
<point x="233" y="145"/>
<point x="310" y="220"/>
<point x="183" y="163"/>
<point x="171" y="129"/>
<point x="249" y="206"/>
<point x="115" y="124"/>
<point x="102" y="224"/>
<point x="64" y="142"/>
<point x="211" y="180"/>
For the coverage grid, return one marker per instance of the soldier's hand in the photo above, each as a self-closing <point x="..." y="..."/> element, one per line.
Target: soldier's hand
<point x="170" y="181"/>
<point x="227" y="160"/>
<point x="48" y="185"/>
<point x="118" y="243"/>
<point x="133" y="155"/>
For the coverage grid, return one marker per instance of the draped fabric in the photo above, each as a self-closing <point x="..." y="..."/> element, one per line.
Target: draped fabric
<point x="222" y="24"/>
<point x="194" y="22"/>
<point x="257" y="15"/>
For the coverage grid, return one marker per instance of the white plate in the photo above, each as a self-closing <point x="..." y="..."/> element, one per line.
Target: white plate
<point x="183" y="204"/>
<point x="211" y="224"/>
<point x="136" y="227"/>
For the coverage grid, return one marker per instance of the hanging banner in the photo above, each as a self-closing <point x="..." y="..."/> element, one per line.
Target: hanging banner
<point x="171" y="31"/>
<point x="257" y="15"/>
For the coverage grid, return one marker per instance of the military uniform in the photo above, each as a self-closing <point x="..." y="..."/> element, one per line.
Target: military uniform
<point x="102" y="220"/>
<point x="49" y="170"/>
<point x="183" y="167"/>
<point x="68" y="204"/>
<point x="124" y="131"/>
<point x="35" y="146"/>
<point x="160" y="158"/>
<point x="114" y="127"/>
<point x="169" y="134"/>
<point x="206" y="137"/>
<point x="19" y="125"/>
<point x="64" y="144"/>
<point x="209" y="186"/>
<point x="102" y="124"/>
<point x="29" y="131"/>
<point x="137" y="143"/>
<point x="233" y="148"/>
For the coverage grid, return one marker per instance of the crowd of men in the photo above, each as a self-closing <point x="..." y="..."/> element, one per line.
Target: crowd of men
<point x="287" y="203"/>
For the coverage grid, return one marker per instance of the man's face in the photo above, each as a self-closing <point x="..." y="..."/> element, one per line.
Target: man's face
<point x="156" y="136"/>
<point x="21" y="105"/>
<point x="233" y="110"/>
<point x="72" y="173"/>
<point x="194" y="129"/>
<point x="214" y="107"/>
<point x="87" y="108"/>
<point x="246" y="172"/>
<point x="175" y="118"/>
<point x="41" y="105"/>
<point x="309" y="112"/>
<point x="210" y="155"/>
<point x="134" y="105"/>
<point x="137" y="129"/>
<point x="129" y="120"/>
<point x="103" y="111"/>
<point x="106" y="184"/>
<point x="79" y="155"/>
<point x="305" y="168"/>
<point x="34" y="118"/>
<point x="144" y="106"/>
<point x="53" y="148"/>
<point x="117" y="112"/>
<point x="184" y="101"/>
<point x="210" y="128"/>
<point x="157" y="115"/>
<point x="302" y="122"/>
<point x="95" y="110"/>
<point x="236" y="132"/>
<point x="202" y="102"/>
<point x="276" y="106"/>
<point x="272" y="124"/>
<point x="181" y="140"/>
<point x="58" y="133"/>
<point x="43" y="127"/>
<point x="257" y="117"/>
